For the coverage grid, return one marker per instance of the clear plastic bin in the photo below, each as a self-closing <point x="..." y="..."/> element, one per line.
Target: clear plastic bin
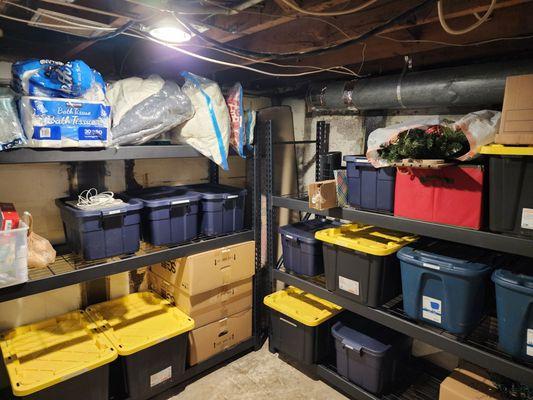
<point x="14" y="256"/>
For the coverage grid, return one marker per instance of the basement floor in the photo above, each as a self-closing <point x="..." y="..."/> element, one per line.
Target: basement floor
<point x="258" y="375"/>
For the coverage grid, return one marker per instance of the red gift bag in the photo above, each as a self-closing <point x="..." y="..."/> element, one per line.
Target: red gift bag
<point x="451" y="195"/>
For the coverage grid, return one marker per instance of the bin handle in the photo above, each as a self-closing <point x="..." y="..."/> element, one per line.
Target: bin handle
<point x="356" y="348"/>
<point x="288" y="322"/>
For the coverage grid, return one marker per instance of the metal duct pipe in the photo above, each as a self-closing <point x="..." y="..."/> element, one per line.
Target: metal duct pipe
<point x="465" y="86"/>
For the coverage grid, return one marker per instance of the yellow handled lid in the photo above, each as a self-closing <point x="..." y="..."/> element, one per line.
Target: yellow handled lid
<point x="139" y="320"/>
<point x="304" y="307"/>
<point x="366" y="238"/>
<point x="503" y="150"/>
<point x="49" y="352"/>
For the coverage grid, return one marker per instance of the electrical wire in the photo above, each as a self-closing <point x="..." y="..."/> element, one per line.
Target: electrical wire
<point x="456" y="44"/>
<point x="451" y="31"/>
<point x="329" y="13"/>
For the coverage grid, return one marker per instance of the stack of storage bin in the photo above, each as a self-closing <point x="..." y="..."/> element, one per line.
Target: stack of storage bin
<point x="65" y="358"/>
<point x="302" y="252"/>
<point x="360" y="262"/>
<point x="370" y="355"/>
<point x="149" y="335"/>
<point x="446" y="284"/>
<point x="215" y="288"/>
<point x="300" y="324"/>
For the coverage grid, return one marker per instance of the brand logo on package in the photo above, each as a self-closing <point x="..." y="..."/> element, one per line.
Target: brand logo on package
<point x="161" y="376"/>
<point x="432" y="309"/>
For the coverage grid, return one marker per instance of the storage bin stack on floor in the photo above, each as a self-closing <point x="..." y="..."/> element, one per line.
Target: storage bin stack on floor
<point x="66" y="357"/>
<point x="215" y="288"/>
<point x="300" y="324"/>
<point x="360" y="262"/>
<point x="150" y="337"/>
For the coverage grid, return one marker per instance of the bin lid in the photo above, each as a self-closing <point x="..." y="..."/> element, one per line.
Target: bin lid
<point x="450" y="257"/>
<point x="366" y="238"/>
<point x="356" y="159"/>
<point x="519" y="277"/>
<point x="358" y="341"/>
<point x="168" y="197"/>
<point x="305" y="230"/>
<point x="139" y="320"/>
<point x="301" y="306"/>
<point x="128" y="205"/>
<point x="211" y="191"/>
<point x="500" y="149"/>
<point x="46" y="353"/>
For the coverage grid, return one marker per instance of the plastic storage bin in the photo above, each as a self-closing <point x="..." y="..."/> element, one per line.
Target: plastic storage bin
<point x="370" y="355"/>
<point x="360" y="263"/>
<point x="64" y="357"/>
<point x="369" y="188"/>
<point x="300" y="324"/>
<point x="445" y="284"/>
<point x="511" y="195"/>
<point x="222" y="208"/>
<point x="514" y="303"/>
<point x="148" y="334"/>
<point x="14" y="256"/>
<point x="451" y="195"/>
<point x="302" y="253"/>
<point x="170" y="215"/>
<point x="328" y="163"/>
<point x="102" y="233"/>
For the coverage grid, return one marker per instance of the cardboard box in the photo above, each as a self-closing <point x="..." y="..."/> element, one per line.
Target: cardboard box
<point x="210" y="270"/>
<point x="210" y="306"/>
<point x="516" y="126"/>
<point x="218" y="336"/>
<point x="322" y="195"/>
<point x="467" y="383"/>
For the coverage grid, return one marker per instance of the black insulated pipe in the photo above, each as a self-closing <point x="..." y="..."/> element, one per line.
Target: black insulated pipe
<point x="464" y="86"/>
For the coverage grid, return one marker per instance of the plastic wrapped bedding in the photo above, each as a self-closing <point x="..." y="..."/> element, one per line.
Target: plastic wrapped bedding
<point x="11" y="134"/>
<point x="145" y="108"/>
<point x="209" y="130"/>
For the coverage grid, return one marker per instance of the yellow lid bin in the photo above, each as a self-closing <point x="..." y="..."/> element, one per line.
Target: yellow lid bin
<point x="148" y="333"/>
<point x="505" y="150"/>
<point x="300" y="324"/>
<point x="49" y="353"/>
<point x="366" y="238"/>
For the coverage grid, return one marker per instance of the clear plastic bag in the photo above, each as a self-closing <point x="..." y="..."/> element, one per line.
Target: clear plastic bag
<point x="40" y="252"/>
<point x="11" y="134"/>
<point x="479" y="128"/>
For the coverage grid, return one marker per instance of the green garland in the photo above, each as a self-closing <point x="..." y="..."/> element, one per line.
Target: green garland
<point x="435" y="142"/>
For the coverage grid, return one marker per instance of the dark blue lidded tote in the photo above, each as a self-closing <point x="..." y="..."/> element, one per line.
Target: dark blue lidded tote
<point x="222" y="208"/>
<point x="302" y="253"/>
<point x="514" y="304"/>
<point x="95" y="234"/>
<point x="370" y="188"/>
<point x="446" y="284"/>
<point x="170" y="214"/>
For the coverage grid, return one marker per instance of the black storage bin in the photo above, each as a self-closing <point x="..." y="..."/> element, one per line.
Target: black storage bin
<point x="370" y="355"/>
<point x="328" y="163"/>
<point x="302" y="253"/>
<point x="511" y="195"/>
<point x="300" y="324"/>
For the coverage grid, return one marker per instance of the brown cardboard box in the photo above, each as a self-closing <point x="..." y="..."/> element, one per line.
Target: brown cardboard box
<point x="210" y="270"/>
<point x="516" y="126"/>
<point x="322" y="195"/>
<point x="218" y="336"/>
<point x="206" y="307"/>
<point x="467" y="383"/>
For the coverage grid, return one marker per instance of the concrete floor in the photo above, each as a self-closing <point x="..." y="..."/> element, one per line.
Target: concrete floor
<point x="259" y="375"/>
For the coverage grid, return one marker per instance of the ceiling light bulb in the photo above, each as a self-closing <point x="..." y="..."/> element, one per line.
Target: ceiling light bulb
<point x="170" y="34"/>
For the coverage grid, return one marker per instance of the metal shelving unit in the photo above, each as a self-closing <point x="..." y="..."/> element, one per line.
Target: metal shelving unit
<point x="480" y="347"/>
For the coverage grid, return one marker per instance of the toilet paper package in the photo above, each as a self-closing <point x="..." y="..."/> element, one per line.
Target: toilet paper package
<point x="59" y="122"/>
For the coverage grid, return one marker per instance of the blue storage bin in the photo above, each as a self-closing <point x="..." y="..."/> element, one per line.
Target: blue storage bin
<point x="446" y="284"/>
<point x="514" y="304"/>
<point x="302" y="253"/>
<point x="102" y="233"/>
<point x="369" y="188"/>
<point x="222" y="208"/>
<point x="170" y="214"/>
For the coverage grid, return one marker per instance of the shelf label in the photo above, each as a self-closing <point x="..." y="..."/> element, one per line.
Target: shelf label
<point x="349" y="285"/>
<point x="432" y="309"/>
<point x="529" y="345"/>
<point x="161" y="376"/>
<point x="527" y="218"/>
